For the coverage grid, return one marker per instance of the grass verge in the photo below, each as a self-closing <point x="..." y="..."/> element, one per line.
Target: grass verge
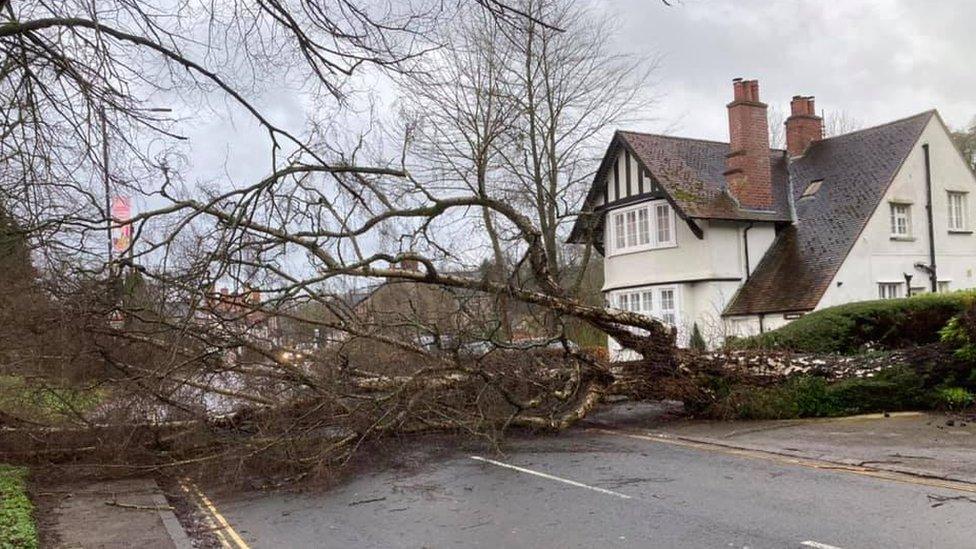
<point x="44" y="403"/>
<point x="17" y="528"/>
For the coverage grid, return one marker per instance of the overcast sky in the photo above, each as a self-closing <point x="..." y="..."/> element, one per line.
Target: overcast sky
<point x="874" y="60"/>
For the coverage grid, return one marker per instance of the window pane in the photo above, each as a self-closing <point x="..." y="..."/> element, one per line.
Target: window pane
<point x="643" y="227"/>
<point x="648" y="302"/>
<point x="618" y="229"/>
<point x="667" y="300"/>
<point x="889" y="290"/>
<point x="901" y="220"/>
<point x="631" y="228"/>
<point x="663" y="224"/>
<point x="957" y="211"/>
<point x="630" y="302"/>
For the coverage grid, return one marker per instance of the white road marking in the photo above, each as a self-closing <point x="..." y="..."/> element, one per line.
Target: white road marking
<point x="818" y="545"/>
<point x="551" y="477"/>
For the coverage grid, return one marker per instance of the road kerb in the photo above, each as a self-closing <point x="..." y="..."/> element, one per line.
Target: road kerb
<point x="172" y="524"/>
<point x="881" y="473"/>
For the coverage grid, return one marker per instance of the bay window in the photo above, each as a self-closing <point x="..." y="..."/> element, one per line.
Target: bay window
<point x="645" y="226"/>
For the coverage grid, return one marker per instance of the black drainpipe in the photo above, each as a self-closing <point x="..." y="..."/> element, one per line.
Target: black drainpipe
<point x="933" y="278"/>
<point x="745" y="242"/>
<point x="762" y="329"/>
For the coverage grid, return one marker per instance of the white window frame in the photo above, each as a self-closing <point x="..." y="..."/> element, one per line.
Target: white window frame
<point x="957" y="211"/>
<point x="636" y="228"/>
<point x="901" y="212"/>
<point x="890" y="290"/>
<point x="649" y="301"/>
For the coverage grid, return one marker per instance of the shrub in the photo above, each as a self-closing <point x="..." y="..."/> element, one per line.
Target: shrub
<point x="803" y="396"/>
<point x="697" y="342"/>
<point x="960" y="334"/>
<point x="955" y="398"/>
<point x="43" y="403"/>
<point x="16" y="511"/>
<point x="849" y="328"/>
<point x="897" y="388"/>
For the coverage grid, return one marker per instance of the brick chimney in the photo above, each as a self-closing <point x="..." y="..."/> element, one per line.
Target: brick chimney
<point x="747" y="165"/>
<point x="803" y="126"/>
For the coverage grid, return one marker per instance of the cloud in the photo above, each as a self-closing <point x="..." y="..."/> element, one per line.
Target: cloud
<point x="874" y="60"/>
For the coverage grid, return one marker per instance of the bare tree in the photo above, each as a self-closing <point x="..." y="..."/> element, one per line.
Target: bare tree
<point x="572" y="89"/>
<point x="840" y="122"/>
<point x="461" y="110"/>
<point x="81" y="122"/>
<point x="965" y="140"/>
<point x="777" y="128"/>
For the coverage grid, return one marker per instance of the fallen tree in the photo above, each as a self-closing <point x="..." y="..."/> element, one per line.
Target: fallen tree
<point x="297" y="365"/>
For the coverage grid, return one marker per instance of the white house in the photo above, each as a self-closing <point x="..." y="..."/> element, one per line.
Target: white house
<point x="739" y="238"/>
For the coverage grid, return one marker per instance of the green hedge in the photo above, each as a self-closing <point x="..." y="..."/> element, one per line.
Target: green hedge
<point x="891" y="390"/>
<point x="17" y="528"/>
<point x="850" y="328"/>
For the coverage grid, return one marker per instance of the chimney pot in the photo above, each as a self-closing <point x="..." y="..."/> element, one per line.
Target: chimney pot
<point x="803" y="126"/>
<point x="738" y="90"/>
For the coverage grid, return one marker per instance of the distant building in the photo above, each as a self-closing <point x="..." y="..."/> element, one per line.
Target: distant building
<point x="239" y="314"/>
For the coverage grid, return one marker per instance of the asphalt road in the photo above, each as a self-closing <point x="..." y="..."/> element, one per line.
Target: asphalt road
<point x="593" y="489"/>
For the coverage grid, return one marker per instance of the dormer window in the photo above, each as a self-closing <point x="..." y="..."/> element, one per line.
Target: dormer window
<point x="811" y="189"/>
<point x="645" y="226"/>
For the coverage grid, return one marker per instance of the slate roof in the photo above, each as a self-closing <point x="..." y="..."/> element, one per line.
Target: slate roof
<point x="857" y="169"/>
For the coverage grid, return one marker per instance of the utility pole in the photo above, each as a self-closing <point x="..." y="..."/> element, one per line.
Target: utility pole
<point x="108" y="187"/>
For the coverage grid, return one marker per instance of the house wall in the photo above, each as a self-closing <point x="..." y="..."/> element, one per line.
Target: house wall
<point x="750" y="325"/>
<point x="876" y="257"/>
<point x="706" y="273"/>
<point x="718" y="255"/>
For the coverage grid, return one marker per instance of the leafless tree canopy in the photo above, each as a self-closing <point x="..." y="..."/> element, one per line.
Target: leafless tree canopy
<point x="404" y="277"/>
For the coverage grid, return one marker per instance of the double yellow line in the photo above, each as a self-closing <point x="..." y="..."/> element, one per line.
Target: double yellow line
<point x="228" y="537"/>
